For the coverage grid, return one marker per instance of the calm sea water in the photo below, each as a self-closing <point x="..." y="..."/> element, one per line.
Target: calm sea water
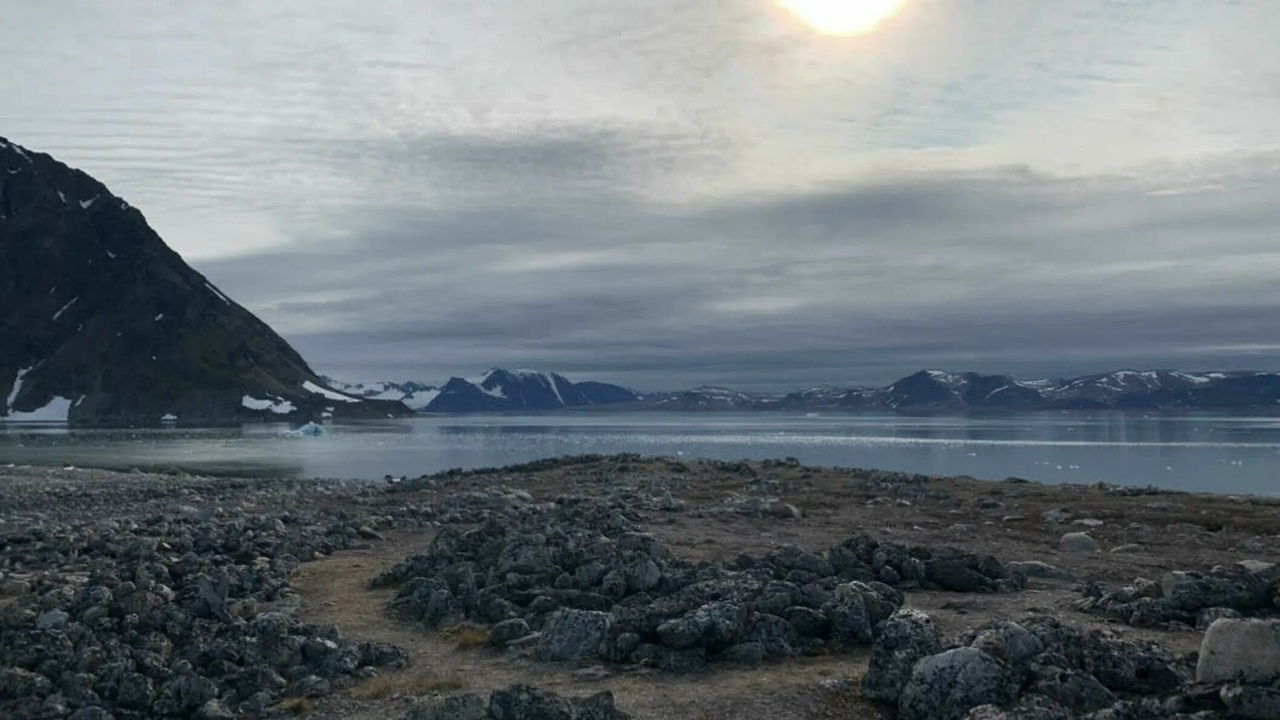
<point x="1197" y="452"/>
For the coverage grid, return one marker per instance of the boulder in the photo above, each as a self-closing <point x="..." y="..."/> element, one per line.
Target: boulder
<point x="908" y="637"/>
<point x="1246" y="650"/>
<point x="948" y="685"/>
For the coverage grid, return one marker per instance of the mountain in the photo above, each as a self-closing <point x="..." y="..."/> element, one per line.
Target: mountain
<point x="937" y="390"/>
<point x="712" y="398"/>
<point x="414" y="394"/>
<point x="925" y="391"/>
<point x="101" y="323"/>
<point x="497" y="390"/>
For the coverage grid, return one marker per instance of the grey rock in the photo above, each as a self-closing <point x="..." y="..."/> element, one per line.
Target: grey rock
<point x="1252" y="702"/>
<point x="573" y="635"/>
<point x="214" y="710"/>
<point x="311" y="686"/>
<point x="13" y="588"/>
<point x="1040" y="570"/>
<point x="52" y="620"/>
<point x="1077" y="691"/>
<point x="908" y="637"/>
<point x="948" y="685"/>
<point x="1078" y="542"/>
<point x="1209" y="616"/>
<point x="1007" y="642"/>
<point x="1030" y="707"/>
<point x="91" y="712"/>
<point x="1056" y="516"/>
<point x="598" y="707"/>
<point x="457" y="707"/>
<point x="135" y="692"/>
<point x="502" y="634"/>
<point x="714" y="626"/>
<point x="524" y="702"/>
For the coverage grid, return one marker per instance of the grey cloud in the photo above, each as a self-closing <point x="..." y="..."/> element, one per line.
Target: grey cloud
<point x="998" y="270"/>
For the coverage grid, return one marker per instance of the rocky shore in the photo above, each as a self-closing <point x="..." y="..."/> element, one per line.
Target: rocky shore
<point x="604" y="588"/>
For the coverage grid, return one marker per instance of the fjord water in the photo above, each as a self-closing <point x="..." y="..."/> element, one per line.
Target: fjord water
<point x="1192" y="452"/>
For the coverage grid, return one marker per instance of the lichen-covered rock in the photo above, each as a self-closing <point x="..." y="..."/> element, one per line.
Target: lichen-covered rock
<point x="909" y="636"/>
<point x="1077" y="691"/>
<point x="948" y="685"/>
<point x="1007" y="642"/>
<point x="1246" y="650"/>
<point x="572" y="635"/>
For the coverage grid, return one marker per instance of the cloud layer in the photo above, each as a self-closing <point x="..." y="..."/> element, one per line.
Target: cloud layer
<point x="666" y="193"/>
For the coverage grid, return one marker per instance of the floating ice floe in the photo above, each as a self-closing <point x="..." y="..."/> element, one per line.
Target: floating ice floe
<point x="309" y="430"/>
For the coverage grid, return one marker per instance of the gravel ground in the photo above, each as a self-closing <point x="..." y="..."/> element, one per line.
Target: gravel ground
<point x="678" y="588"/>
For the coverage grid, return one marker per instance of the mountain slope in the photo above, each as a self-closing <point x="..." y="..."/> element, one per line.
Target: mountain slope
<point x="102" y="323"/>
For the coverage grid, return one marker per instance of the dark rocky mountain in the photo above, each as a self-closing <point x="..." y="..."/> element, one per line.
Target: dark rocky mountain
<point x="101" y="323"/>
<point x="498" y="390"/>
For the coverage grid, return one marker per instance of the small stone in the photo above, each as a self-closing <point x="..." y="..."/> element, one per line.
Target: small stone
<point x="1127" y="549"/>
<point x="1078" y="542"/>
<point x="52" y="620"/>
<point x="1251" y="702"/>
<point x="1040" y="570"/>
<point x="1056" y="516"/>
<point x="214" y="710"/>
<point x="1209" y="616"/>
<point x="367" y="533"/>
<point x="458" y="707"/>
<point x="507" y="631"/>
<point x="1090" y="522"/>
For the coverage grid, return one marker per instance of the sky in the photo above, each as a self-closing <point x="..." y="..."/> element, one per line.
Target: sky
<point x="666" y="193"/>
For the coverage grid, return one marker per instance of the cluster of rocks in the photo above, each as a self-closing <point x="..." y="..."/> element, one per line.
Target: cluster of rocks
<point x="519" y="702"/>
<point x="182" y="614"/>
<point x="1247" y="588"/>
<point x="1042" y="669"/>
<point x="579" y="580"/>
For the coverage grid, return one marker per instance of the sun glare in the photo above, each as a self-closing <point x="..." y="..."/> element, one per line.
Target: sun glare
<point x="842" y="17"/>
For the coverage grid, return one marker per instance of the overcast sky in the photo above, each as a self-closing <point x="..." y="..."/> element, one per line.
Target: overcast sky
<point x="672" y="192"/>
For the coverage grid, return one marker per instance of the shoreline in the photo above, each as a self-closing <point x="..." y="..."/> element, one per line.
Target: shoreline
<point x="307" y="551"/>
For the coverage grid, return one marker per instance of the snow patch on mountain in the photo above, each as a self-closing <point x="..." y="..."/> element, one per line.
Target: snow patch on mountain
<point x="327" y="393"/>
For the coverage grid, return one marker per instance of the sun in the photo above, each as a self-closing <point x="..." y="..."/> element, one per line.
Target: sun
<point x="842" y="17"/>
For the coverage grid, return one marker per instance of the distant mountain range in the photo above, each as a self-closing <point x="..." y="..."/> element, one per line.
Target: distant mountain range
<point x="101" y="323"/>
<point x="501" y="390"/>
<point x="497" y="390"/>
